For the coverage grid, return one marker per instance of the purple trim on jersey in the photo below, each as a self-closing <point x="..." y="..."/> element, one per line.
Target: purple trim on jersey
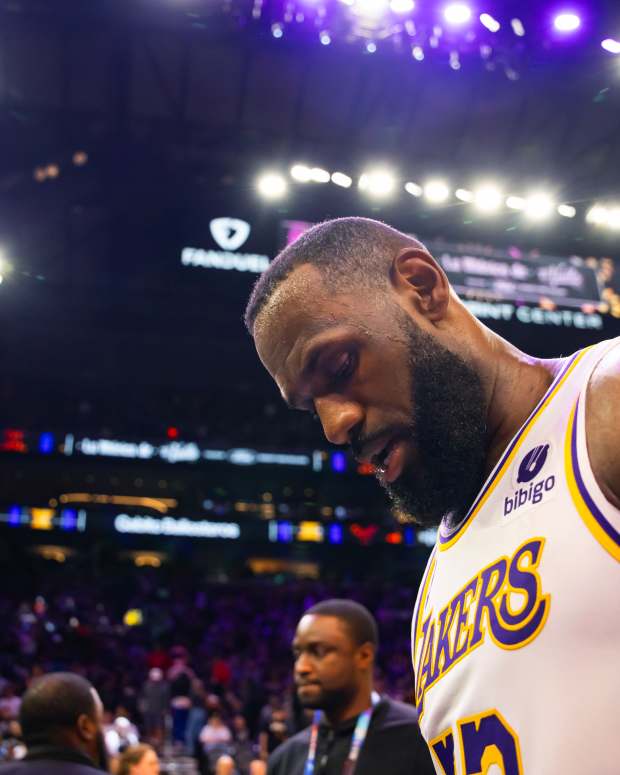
<point x="583" y="490"/>
<point x="445" y="538"/>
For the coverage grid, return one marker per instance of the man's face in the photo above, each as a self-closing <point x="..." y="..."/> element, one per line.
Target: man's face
<point x="381" y="382"/>
<point x="327" y="663"/>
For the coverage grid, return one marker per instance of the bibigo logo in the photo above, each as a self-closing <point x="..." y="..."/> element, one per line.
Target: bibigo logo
<point x="229" y="233"/>
<point x="530" y="474"/>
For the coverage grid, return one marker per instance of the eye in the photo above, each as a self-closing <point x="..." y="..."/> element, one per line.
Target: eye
<point x="344" y="367"/>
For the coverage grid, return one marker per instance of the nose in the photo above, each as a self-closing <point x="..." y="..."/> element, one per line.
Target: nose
<point x="338" y="416"/>
<point x="302" y="665"/>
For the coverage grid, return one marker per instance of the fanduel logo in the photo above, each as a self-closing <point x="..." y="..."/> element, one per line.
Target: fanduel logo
<point x="529" y="468"/>
<point x="229" y="233"/>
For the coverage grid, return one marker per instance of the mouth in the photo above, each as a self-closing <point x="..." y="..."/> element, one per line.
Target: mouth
<point x="390" y="460"/>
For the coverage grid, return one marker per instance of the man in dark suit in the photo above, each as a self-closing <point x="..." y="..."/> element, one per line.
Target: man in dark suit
<point x="354" y="730"/>
<point x="61" y="720"/>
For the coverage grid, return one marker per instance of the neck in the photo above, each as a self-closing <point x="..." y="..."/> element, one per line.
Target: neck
<point x="515" y="383"/>
<point x="360" y="702"/>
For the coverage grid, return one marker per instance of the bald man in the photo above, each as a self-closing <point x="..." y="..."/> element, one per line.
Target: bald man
<point x="516" y="459"/>
<point x="61" y="720"/>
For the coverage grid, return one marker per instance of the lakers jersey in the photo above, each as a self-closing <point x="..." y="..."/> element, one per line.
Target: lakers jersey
<point x="516" y="630"/>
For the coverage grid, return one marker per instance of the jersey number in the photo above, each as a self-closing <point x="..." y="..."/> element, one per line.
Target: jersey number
<point x="485" y="740"/>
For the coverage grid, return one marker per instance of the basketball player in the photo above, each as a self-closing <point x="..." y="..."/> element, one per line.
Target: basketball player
<point x="516" y="630"/>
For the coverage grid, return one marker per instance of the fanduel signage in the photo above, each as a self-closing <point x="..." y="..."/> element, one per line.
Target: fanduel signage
<point x="171" y="526"/>
<point x="229" y="234"/>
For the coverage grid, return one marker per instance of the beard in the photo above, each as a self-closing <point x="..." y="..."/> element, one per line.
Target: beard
<point x="447" y="432"/>
<point x="327" y="699"/>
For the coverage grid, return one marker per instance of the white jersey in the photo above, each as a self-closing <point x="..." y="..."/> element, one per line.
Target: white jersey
<point x="516" y="630"/>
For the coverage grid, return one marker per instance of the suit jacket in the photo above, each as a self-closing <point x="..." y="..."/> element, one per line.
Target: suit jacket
<point x="50" y="760"/>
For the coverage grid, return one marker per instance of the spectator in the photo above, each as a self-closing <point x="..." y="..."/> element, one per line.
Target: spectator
<point x="275" y="731"/>
<point x="61" y="721"/>
<point x="119" y="735"/>
<point x="154" y="702"/>
<point x="9" y="703"/>
<point x="180" y="676"/>
<point x="216" y="739"/>
<point x="138" y="760"/>
<point x="334" y="647"/>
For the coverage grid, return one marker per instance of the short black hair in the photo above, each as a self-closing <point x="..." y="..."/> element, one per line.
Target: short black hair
<point x="352" y="249"/>
<point x="361" y="624"/>
<point x="54" y="702"/>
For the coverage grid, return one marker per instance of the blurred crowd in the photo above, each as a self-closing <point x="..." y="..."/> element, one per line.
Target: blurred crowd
<point x="203" y="668"/>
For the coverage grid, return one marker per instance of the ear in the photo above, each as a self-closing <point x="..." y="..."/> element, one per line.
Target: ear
<point x="86" y="727"/>
<point x="421" y="283"/>
<point x="365" y="656"/>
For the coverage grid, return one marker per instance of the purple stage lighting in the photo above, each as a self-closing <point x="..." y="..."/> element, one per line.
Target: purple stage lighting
<point x="567" y="21"/>
<point x="402" y="6"/>
<point x="611" y="45"/>
<point x="457" y="13"/>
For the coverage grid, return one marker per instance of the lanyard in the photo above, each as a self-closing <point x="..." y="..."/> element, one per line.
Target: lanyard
<point x="359" y="735"/>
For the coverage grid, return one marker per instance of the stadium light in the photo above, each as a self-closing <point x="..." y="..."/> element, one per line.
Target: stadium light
<point x="319" y="175"/>
<point x="488" y="198"/>
<point x="414" y="189"/>
<point x="436" y="191"/>
<point x="457" y="13"/>
<point x="567" y="211"/>
<point x="272" y="185"/>
<point x="515" y="203"/>
<point x="342" y="180"/>
<point x="402" y="6"/>
<point x="417" y="52"/>
<point x="371" y="9"/>
<point x="489" y="22"/>
<point x="538" y="206"/>
<point x="517" y="27"/>
<point x="613" y="218"/>
<point x="611" y="45"/>
<point x="325" y="38"/>
<point x="567" y="21"/>
<point x="301" y="173"/>
<point x="597" y="215"/>
<point x="464" y="194"/>
<point x="377" y="183"/>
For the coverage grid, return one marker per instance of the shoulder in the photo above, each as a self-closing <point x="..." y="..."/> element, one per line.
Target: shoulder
<point x="396" y="714"/>
<point x="289" y="752"/>
<point x="603" y="423"/>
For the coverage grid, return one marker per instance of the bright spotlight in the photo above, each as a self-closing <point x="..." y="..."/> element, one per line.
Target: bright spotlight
<point x="489" y="22"/>
<point x="272" y="185"/>
<point x="371" y="9"/>
<point x="436" y="191"/>
<point x="613" y="218"/>
<point x="464" y="195"/>
<point x="417" y="52"/>
<point x="301" y="173"/>
<point x="611" y="45"/>
<point x="515" y="203"/>
<point x="1" y="279"/>
<point x="457" y="13"/>
<point x="517" y="27"/>
<point x="567" y="211"/>
<point x="277" y="30"/>
<point x="597" y="215"/>
<point x="567" y="22"/>
<point x="342" y="180"/>
<point x="538" y="207"/>
<point x="413" y="189"/>
<point x="371" y="47"/>
<point x="325" y="38"/>
<point x="402" y="6"/>
<point x="379" y="183"/>
<point x="488" y="198"/>
<point x="318" y="175"/>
